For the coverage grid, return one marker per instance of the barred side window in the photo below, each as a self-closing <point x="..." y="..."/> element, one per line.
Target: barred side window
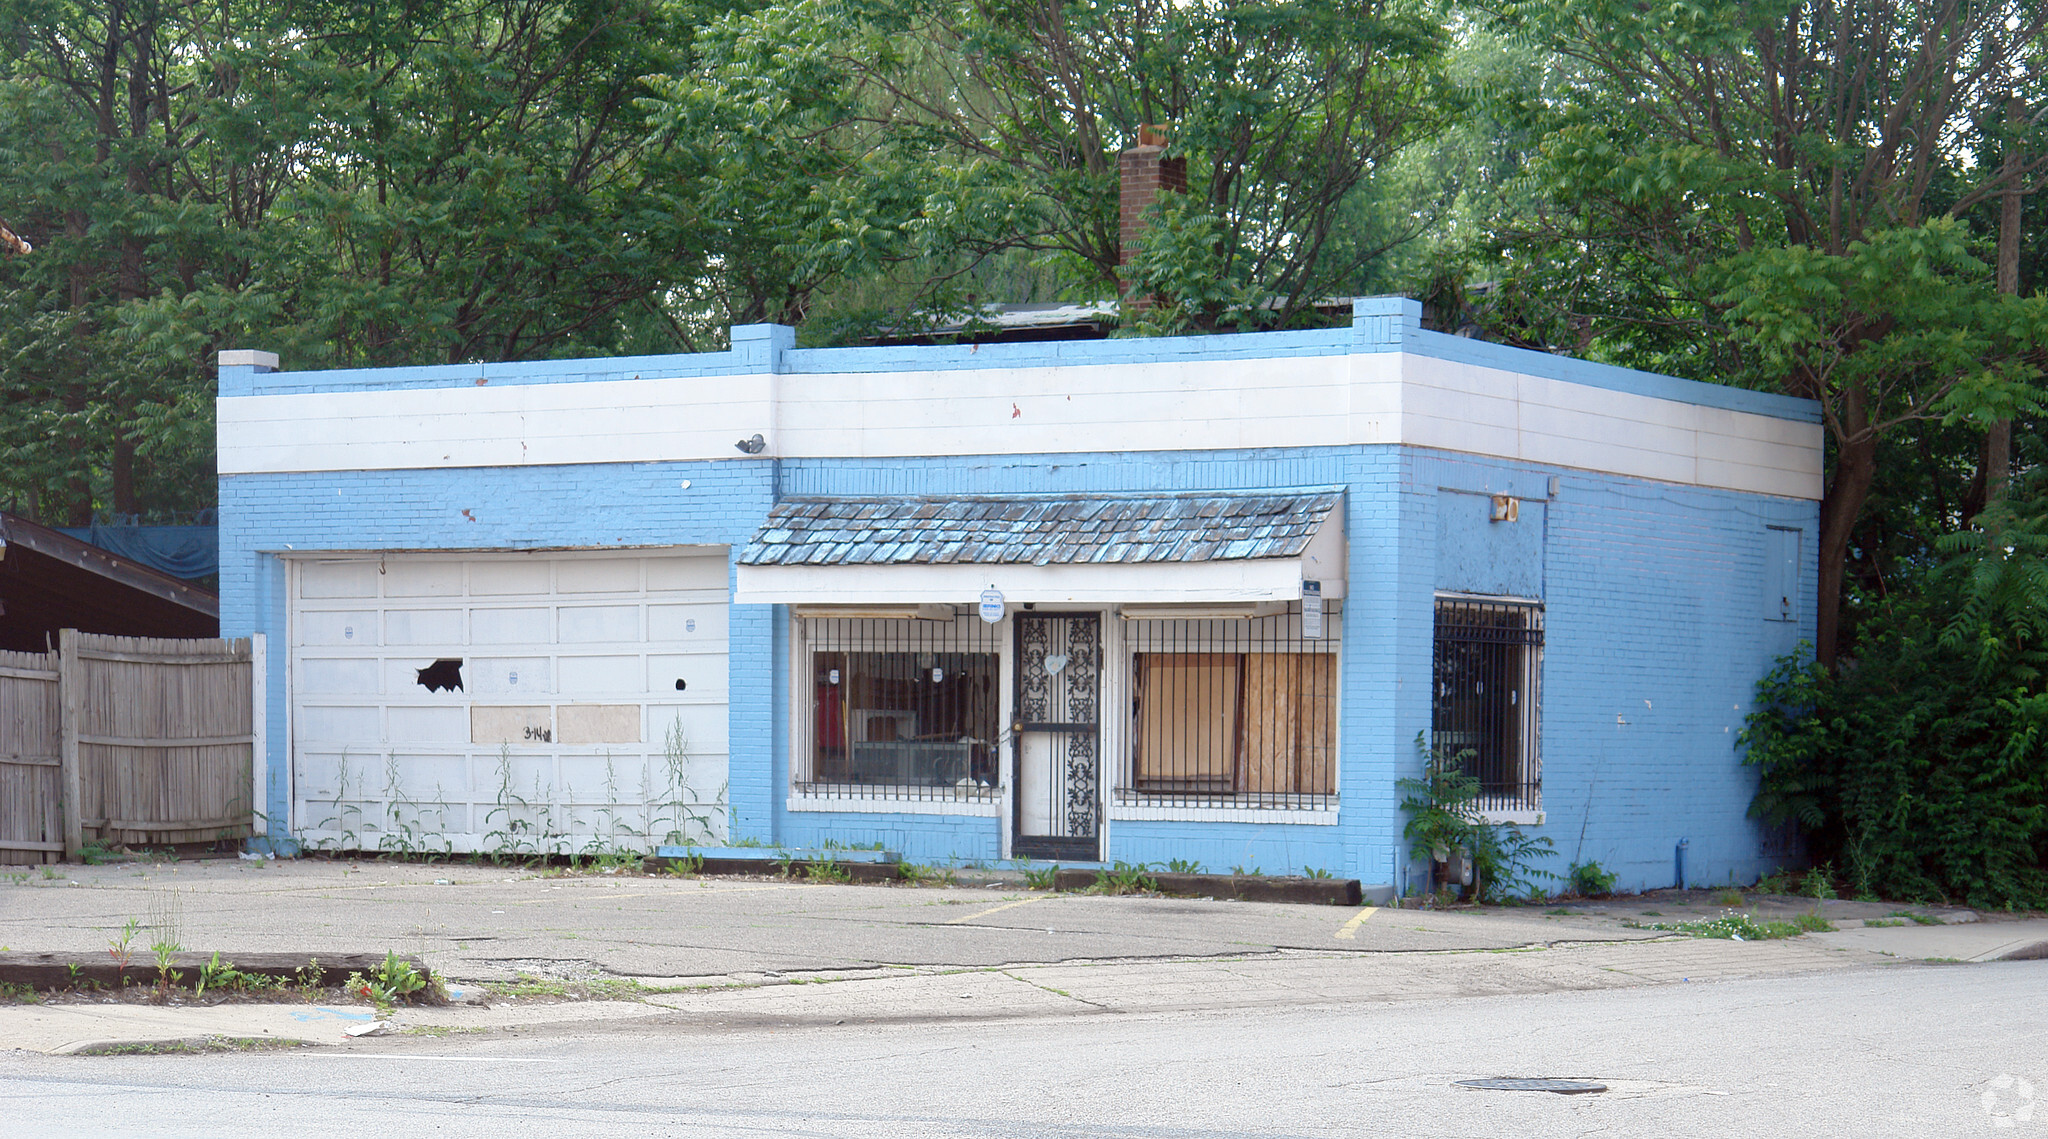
<point x="1231" y="712"/>
<point x="899" y="708"/>
<point x="1485" y="705"/>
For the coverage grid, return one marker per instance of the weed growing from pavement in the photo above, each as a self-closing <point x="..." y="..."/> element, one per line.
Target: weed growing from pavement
<point x="121" y="948"/>
<point x="600" y="988"/>
<point x="1124" y="878"/>
<point x="1588" y="880"/>
<point x="1916" y="919"/>
<point x="1041" y="878"/>
<point x="681" y="818"/>
<point x="1733" y="926"/>
<point x="403" y="836"/>
<point x="827" y="870"/>
<point x="918" y="874"/>
<point x="1183" y="866"/>
<point x="1315" y="872"/>
<point x="222" y="975"/>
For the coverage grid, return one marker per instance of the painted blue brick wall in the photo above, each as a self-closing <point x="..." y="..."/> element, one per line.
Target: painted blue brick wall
<point x="1655" y="638"/>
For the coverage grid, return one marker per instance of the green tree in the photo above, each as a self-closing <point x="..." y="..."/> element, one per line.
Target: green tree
<point x="842" y="138"/>
<point x="343" y="183"/>
<point x="1756" y="191"/>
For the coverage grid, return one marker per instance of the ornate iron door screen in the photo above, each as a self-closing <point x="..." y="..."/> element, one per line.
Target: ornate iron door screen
<point x="1058" y="733"/>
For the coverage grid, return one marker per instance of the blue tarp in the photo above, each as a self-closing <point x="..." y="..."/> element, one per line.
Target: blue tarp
<point x="187" y="552"/>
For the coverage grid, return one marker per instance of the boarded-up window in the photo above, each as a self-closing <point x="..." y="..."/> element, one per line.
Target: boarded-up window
<point x="1251" y="715"/>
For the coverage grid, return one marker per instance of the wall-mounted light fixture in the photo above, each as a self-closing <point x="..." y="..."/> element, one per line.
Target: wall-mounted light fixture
<point x="753" y="446"/>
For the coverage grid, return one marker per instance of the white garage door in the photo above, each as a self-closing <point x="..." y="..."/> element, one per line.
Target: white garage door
<point x="546" y="703"/>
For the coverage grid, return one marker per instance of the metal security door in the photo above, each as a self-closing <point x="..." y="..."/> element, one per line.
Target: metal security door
<point x="1058" y="730"/>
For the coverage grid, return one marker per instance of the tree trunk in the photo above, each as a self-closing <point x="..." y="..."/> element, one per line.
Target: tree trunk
<point x="1994" y="465"/>
<point x="124" y="477"/>
<point x="1840" y="506"/>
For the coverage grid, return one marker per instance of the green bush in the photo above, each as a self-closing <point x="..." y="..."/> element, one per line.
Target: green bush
<point x="1442" y="817"/>
<point x="1920" y="768"/>
<point x="1588" y="880"/>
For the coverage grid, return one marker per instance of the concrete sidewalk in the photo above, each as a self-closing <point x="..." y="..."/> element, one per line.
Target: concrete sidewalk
<point x="707" y="954"/>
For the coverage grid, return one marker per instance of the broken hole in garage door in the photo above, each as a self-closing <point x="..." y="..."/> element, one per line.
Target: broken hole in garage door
<point x="442" y="675"/>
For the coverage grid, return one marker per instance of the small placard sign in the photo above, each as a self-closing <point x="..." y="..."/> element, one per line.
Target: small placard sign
<point x="1312" y="610"/>
<point x="992" y="605"/>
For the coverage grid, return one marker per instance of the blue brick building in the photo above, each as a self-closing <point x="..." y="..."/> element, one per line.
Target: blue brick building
<point x="1138" y="600"/>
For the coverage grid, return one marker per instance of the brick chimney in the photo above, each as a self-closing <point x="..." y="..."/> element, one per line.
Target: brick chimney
<point x="1143" y="171"/>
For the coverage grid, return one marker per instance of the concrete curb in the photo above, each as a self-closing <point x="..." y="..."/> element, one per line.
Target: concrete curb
<point x="73" y="970"/>
<point x="759" y="867"/>
<point x="1236" y="887"/>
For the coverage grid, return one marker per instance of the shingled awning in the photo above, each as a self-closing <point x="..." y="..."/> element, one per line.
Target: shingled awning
<point x="1239" y="546"/>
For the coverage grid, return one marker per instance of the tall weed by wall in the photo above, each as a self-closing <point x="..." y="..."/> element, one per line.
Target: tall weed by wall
<point x="1920" y="769"/>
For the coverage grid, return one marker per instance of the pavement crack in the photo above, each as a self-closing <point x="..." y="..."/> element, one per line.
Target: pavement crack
<point x="1056" y="992"/>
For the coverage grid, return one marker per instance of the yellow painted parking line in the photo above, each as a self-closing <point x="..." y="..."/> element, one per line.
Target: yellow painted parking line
<point x="996" y="910"/>
<point x="1349" y="930"/>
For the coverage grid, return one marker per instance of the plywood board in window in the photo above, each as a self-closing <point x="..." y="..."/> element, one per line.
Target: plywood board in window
<point x="1187" y="724"/>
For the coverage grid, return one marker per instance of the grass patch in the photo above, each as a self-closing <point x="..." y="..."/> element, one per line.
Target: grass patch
<point x="1916" y="919"/>
<point x="918" y="874"/>
<point x="526" y="986"/>
<point x="192" y="1047"/>
<point x="1732" y="926"/>
<point x="1124" y="878"/>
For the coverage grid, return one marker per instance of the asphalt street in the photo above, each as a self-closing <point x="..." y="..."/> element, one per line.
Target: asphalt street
<point x="1910" y="1050"/>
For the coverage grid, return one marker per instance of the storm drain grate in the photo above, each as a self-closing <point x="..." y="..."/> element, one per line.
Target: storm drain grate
<point x="1522" y="1084"/>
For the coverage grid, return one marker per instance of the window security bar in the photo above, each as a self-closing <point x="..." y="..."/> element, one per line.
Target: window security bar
<point x="898" y="709"/>
<point x="1488" y="670"/>
<point x="1231" y="712"/>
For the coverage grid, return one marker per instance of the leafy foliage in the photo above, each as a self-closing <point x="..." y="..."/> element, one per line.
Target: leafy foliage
<point x="838" y="140"/>
<point x="1771" y="195"/>
<point x="344" y="184"/>
<point x="1922" y="769"/>
<point x="1443" y="818"/>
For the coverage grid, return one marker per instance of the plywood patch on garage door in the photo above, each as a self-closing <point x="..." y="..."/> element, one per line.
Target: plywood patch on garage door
<point x="528" y="726"/>
<point x="600" y="723"/>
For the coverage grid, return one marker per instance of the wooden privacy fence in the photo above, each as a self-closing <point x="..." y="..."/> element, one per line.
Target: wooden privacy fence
<point x="127" y="740"/>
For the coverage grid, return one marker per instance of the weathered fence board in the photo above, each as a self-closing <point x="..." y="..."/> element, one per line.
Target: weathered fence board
<point x="125" y="740"/>
<point x="31" y="821"/>
<point x="163" y="739"/>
